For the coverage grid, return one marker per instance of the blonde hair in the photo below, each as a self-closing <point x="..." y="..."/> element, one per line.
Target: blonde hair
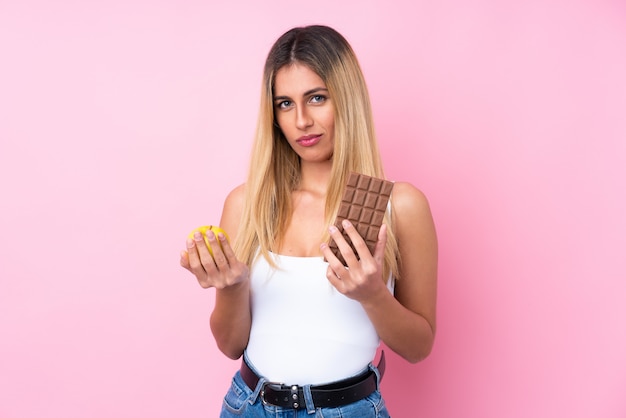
<point x="275" y="168"/>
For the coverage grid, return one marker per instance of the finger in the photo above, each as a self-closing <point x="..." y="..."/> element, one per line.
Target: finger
<point x="336" y="271"/>
<point x="228" y="251"/>
<point x="195" y="263"/>
<point x="184" y="260"/>
<point x="219" y="258"/>
<point x="206" y="260"/>
<point x="192" y="254"/>
<point x="334" y="279"/>
<point x="357" y="240"/>
<point x="342" y="244"/>
<point x="328" y="254"/>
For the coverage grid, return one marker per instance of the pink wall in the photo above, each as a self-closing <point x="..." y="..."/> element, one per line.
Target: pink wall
<point x="124" y="124"/>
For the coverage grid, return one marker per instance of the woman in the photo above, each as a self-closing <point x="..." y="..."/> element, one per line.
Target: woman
<point x="312" y="324"/>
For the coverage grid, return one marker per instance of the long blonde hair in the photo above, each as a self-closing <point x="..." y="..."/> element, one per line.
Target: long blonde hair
<point x="275" y="168"/>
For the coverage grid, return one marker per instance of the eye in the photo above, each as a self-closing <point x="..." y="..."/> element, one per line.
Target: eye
<point x="318" y="98"/>
<point x="285" y="104"/>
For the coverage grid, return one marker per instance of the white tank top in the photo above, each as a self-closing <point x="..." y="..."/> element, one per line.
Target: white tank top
<point x="303" y="330"/>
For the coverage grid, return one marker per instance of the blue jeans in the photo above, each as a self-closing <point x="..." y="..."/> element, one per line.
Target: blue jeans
<point x="241" y="401"/>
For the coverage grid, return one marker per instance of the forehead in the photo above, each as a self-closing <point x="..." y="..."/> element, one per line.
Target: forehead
<point x="295" y="80"/>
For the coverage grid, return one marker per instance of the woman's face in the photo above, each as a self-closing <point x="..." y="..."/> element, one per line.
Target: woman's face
<point x="304" y="112"/>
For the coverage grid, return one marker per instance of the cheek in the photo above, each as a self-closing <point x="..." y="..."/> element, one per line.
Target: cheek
<point x="281" y="121"/>
<point x="331" y="125"/>
<point x="329" y="120"/>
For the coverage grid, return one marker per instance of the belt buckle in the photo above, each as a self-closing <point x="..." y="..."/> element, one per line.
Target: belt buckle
<point x="293" y="400"/>
<point x="274" y="385"/>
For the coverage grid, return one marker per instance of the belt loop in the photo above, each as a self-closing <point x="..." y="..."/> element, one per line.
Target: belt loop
<point x="379" y="370"/>
<point x="260" y="384"/>
<point x="377" y="373"/>
<point x="257" y="391"/>
<point x="308" y="399"/>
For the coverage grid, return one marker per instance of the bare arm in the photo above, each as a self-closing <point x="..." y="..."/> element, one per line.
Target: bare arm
<point x="406" y="322"/>
<point x="231" y="319"/>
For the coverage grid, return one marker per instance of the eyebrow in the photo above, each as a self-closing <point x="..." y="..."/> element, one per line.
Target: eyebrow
<point x="306" y="93"/>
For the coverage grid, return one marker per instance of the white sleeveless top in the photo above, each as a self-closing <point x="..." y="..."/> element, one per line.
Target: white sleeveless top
<point x="303" y="330"/>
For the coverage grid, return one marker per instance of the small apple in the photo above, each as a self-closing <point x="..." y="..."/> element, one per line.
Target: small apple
<point x="203" y="229"/>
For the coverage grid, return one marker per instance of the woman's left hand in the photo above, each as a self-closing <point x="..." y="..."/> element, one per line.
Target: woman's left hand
<point x="362" y="278"/>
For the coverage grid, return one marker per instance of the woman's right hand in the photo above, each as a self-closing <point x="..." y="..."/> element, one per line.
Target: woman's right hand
<point x="221" y="270"/>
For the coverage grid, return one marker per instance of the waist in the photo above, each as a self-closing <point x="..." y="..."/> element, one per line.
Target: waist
<point x="329" y="329"/>
<point x="279" y="358"/>
<point x="328" y="395"/>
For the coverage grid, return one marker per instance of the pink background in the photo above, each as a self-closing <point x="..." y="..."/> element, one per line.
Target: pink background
<point x="123" y="124"/>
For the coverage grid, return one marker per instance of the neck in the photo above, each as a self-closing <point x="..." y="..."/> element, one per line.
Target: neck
<point x="315" y="177"/>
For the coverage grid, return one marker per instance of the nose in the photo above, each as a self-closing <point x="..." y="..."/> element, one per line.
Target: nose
<point x="303" y="119"/>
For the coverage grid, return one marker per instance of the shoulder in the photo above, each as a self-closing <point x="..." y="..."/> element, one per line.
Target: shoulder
<point x="411" y="215"/>
<point x="407" y="199"/>
<point x="233" y="209"/>
<point x="236" y="196"/>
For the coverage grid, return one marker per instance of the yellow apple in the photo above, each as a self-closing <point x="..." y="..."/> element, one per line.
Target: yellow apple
<point x="203" y="230"/>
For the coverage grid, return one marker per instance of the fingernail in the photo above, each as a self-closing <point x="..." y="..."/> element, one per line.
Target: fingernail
<point x="323" y="246"/>
<point x="346" y="223"/>
<point x="197" y="236"/>
<point x="332" y="229"/>
<point x="190" y="243"/>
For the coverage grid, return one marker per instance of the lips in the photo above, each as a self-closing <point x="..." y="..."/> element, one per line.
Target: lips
<point x="309" y="140"/>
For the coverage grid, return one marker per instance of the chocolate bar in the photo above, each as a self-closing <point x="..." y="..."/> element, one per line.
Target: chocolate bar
<point x="364" y="203"/>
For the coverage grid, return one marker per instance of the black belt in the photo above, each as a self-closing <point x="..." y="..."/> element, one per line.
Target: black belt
<point x="330" y="395"/>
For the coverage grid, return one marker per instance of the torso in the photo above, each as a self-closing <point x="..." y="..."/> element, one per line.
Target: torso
<point x="306" y="226"/>
<point x="303" y="330"/>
